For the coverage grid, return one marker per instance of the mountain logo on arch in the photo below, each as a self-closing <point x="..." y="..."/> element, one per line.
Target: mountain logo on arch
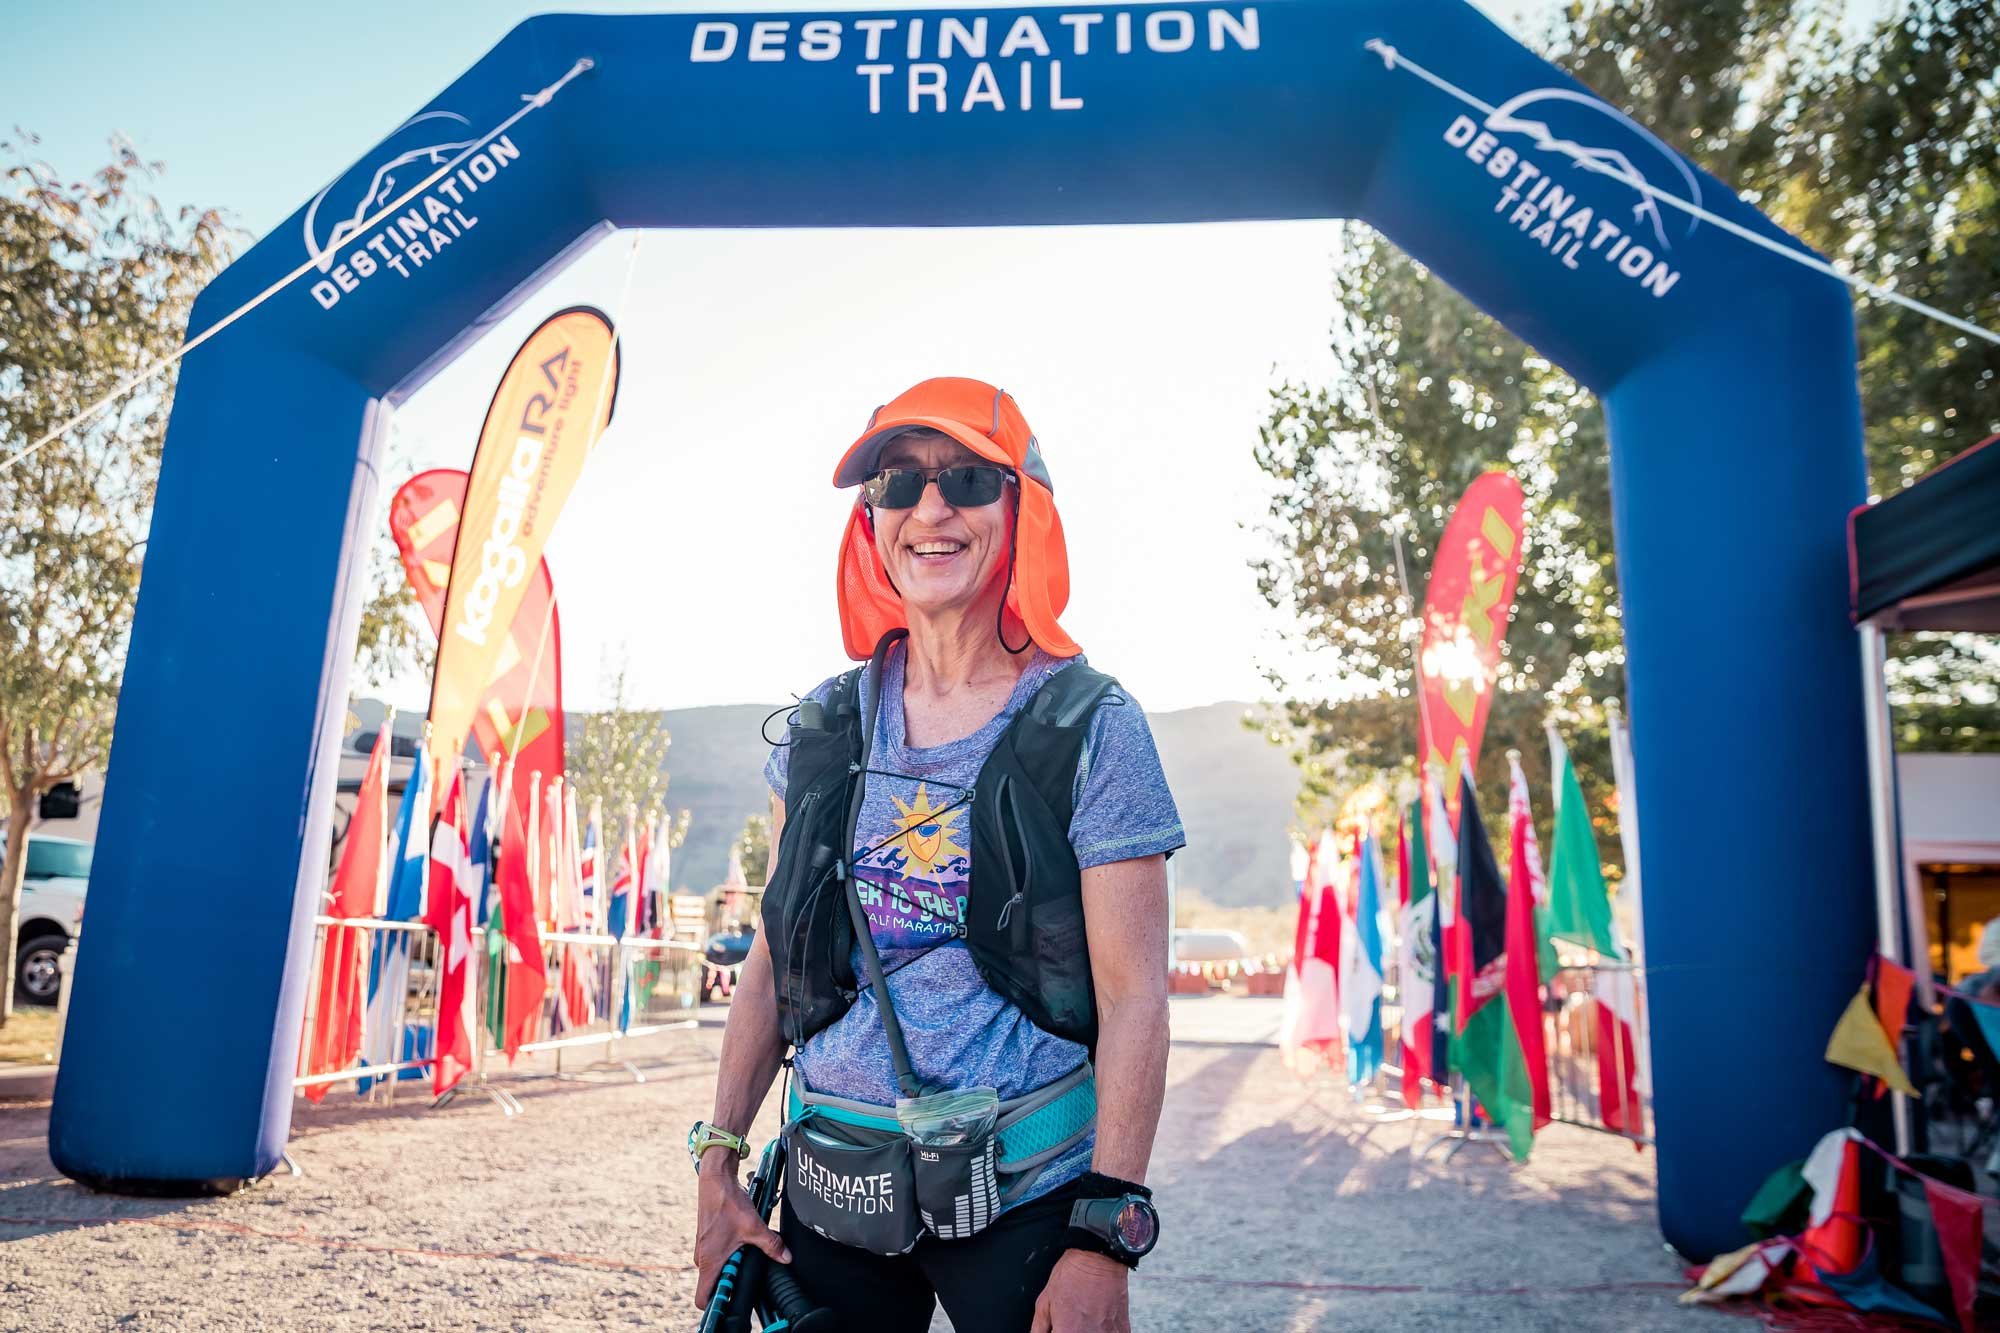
<point x="1646" y="162"/>
<point x="403" y="204"/>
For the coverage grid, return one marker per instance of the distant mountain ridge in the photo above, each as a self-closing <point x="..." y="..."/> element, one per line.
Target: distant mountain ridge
<point x="1234" y="790"/>
<point x="1233" y="787"/>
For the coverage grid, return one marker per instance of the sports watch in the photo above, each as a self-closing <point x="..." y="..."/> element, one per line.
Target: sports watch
<point x="1124" y="1226"/>
<point x="705" y="1136"/>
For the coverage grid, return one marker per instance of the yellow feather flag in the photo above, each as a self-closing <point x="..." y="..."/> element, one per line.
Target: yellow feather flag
<point x="1858" y="1043"/>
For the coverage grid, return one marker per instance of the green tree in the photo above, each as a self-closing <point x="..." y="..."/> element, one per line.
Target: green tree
<point x="96" y="282"/>
<point x="619" y="756"/>
<point x="753" y="847"/>
<point x="1881" y="152"/>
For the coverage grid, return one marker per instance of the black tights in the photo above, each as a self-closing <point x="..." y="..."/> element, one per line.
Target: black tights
<point x="988" y="1284"/>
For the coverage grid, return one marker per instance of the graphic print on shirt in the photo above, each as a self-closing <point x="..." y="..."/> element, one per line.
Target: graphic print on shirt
<point x="913" y="887"/>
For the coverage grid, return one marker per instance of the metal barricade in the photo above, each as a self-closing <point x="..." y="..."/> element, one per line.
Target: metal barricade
<point x="601" y="990"/>
<point x="1594" y="1029"/>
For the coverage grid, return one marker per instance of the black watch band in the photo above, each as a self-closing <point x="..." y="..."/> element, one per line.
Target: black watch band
<point x="1114" y="1218"/>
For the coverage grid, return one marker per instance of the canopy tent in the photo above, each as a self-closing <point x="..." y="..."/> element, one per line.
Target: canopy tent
<point x="1929" y="557"/>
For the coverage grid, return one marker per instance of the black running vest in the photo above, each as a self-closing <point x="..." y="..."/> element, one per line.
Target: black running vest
<point x="1024" y="903"/>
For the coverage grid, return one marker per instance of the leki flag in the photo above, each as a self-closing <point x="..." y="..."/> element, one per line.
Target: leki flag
<point x="527" y="973"/>
<point x="1488" y="1045"/>
<point x="1524" y="982"/>
<point x="382" y="1039"/>
<point x="1467" y="605"/>
<point x="454" y="895"/>
<point x="521" y="713"/>
<point x="1416" y="961"/>
<point x="553" y="402"/>
<point x="1309" y="1034"/>
<point x="1361" y="972"/>
<point x="358" y="883"/>
<point x="1579" y="904"/>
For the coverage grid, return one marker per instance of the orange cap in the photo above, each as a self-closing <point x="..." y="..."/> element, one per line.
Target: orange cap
<point x="987" y="421"/>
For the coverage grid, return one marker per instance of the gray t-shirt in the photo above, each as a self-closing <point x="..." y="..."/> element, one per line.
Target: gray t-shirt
<point x="960" y="1031"/>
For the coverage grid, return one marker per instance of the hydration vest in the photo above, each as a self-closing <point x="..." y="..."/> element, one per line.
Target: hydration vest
<point x="1023" y="915"/>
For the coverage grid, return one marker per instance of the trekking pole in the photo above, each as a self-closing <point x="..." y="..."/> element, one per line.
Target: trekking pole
<point x="735" y="1288"/>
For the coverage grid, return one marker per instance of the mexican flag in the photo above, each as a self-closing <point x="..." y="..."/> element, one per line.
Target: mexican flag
<point x="1416" y="960"/>
<point x="1488" y="1046"/>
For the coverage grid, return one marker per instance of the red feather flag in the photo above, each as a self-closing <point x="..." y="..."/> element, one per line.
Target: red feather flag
<point x="335" y="1041"/>
<point x="1467" y="605"/>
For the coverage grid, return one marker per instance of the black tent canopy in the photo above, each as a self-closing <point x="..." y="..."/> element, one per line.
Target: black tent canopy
<point x="1928" y="557"/>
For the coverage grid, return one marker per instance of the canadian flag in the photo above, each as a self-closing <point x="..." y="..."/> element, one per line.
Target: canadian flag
<point x="454" y="890"/>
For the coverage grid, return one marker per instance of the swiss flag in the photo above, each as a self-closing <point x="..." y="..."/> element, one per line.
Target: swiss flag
<point x="454" y="891"/>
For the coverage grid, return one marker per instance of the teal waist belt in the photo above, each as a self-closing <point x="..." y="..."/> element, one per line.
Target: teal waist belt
<point x="1033" y="1130"/>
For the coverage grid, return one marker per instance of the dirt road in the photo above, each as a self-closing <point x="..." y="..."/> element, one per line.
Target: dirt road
<point x="1285" y="1207"/>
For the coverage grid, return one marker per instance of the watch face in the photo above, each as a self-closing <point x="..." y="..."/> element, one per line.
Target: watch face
<point x="1138" y="1226"/>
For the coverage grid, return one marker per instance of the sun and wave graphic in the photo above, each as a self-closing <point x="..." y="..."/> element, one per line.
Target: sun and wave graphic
<point x="924" y="832"/>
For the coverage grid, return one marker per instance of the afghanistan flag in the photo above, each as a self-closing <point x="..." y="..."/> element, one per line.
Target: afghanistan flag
<point x="1488" y="1046"/>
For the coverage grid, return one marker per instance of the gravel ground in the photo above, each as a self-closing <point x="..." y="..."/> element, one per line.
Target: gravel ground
<point x="1286" y="1207"/>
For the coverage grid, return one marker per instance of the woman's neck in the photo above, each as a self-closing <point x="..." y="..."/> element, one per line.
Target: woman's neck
<point x="946" y="654"/>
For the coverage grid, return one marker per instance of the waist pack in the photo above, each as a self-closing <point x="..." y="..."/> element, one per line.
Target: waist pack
<point x="855" y="1176"/>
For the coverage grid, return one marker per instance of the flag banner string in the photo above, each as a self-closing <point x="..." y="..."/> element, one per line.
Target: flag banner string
<point x="532" y="102"/>
<point x="1393" y="59"/>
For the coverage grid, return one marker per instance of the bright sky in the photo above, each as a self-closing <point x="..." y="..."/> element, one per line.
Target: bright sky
<point x="699" y="545"/>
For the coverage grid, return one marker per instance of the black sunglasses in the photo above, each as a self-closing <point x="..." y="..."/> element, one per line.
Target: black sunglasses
<point x="966" y="486"/>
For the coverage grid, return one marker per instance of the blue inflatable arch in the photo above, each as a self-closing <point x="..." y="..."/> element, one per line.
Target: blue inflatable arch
<point x="1726" y="372"/>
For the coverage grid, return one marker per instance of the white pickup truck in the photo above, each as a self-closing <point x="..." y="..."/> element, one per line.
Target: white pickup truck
<point x="52" y="891"/>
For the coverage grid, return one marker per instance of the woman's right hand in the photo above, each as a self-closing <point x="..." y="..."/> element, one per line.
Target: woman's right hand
<point x="726" y="1223"/>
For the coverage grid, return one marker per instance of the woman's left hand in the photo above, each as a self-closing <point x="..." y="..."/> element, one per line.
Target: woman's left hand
<point x="1086" y="1294"/>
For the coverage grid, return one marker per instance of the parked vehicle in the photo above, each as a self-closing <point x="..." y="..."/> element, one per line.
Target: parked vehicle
<point x="52" y="889"/>
<point x="725" y="949"/>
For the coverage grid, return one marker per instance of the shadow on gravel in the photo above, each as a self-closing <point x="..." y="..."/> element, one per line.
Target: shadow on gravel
<point x="37" y="1200"/>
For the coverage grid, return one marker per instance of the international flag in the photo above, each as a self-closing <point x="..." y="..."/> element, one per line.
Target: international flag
<point x="527" y="973"/>
<point x="1361" y="972"/>
<point x="619" y="918"/>
<point x="479" y="846"/>
<point x="1488" y="1045"/>
<point x="1310" y="1032"/>
<point x="587" y="869"/>
<point x="645" y="913"/>
<point x="358" y="884"/>
<point x="1524" y="937"/>
<point x="1579" y="904"/>
<point x="659" y="860"/>
<point x="382" y="1039"/>
<point x="1444" y="929"/>
<point x="1416" y="961"/>
<point x="455" y="886"/>
<point x="537" y="852"/>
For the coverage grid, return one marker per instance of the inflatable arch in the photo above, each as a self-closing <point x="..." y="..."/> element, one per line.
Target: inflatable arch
<point x="1726" y="372"/>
